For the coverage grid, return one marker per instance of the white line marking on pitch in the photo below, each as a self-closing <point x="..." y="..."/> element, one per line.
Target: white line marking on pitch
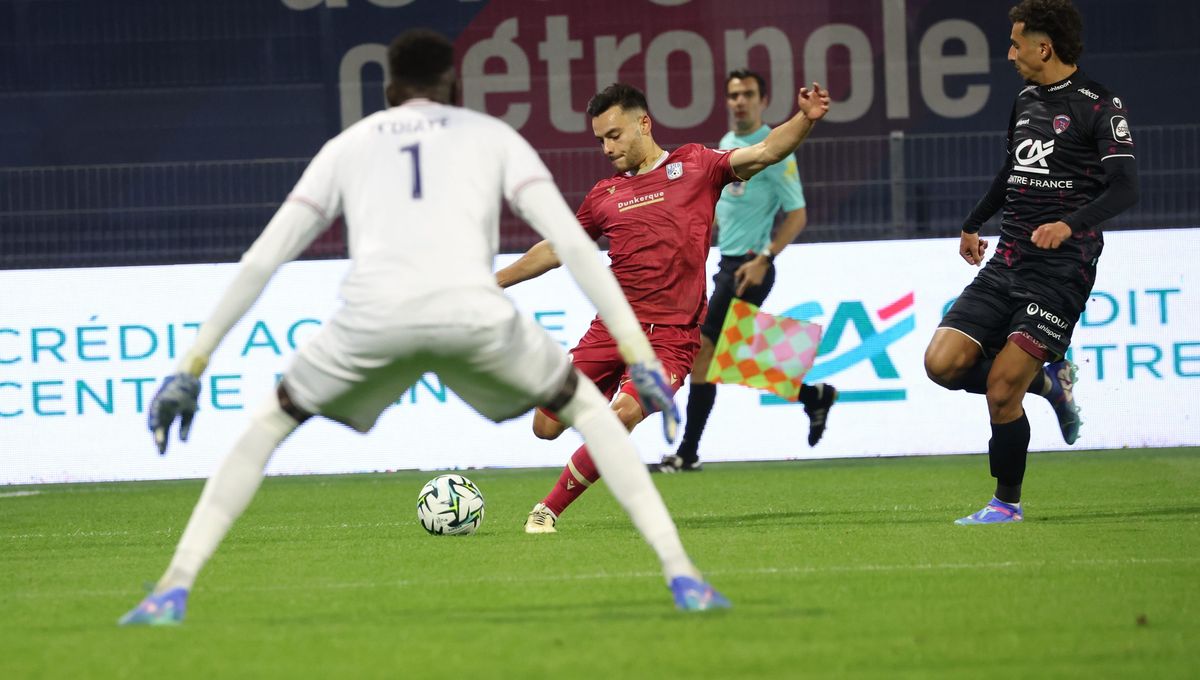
<point x="16" y="494"/>
<point x="634" y="575"/>
<point x="80" y="533"/>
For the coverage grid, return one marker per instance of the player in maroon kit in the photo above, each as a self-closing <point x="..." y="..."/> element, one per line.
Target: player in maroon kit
<point x="657" y="213"/>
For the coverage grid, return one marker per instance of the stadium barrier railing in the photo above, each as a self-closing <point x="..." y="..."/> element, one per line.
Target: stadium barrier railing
<point x="858" y="188"/>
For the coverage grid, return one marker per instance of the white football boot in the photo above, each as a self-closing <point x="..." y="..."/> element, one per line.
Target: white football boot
<point x="541" y="520"/>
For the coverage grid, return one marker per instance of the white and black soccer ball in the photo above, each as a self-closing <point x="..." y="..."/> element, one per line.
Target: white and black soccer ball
<point x="450" y="504"/>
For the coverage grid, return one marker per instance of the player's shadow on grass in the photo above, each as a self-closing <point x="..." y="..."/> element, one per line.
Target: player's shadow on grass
<point x="634" y="609"/>
<point x="1088" y="515"/>
<point x="800" y="518"/>
<point x="624" y="610"/>
<point x="748" y="519"/>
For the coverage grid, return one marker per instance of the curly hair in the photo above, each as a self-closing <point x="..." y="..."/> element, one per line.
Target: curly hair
<point x="627" y="97"/>
<point x="420" y="57"/>
<point x="1058" y="19"/>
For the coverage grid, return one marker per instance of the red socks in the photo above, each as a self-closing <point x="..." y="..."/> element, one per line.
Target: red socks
<point x="576" y="477"/>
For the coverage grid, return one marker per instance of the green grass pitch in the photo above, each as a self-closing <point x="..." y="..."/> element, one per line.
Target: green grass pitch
<point x="836" y="568"/>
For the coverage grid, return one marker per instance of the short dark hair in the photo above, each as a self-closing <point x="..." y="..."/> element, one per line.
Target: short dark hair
<point x="625" y="96"/>
<point x="743" y="74"/>
<point x="1058" y="19"/>
<point x="419" y="58"/>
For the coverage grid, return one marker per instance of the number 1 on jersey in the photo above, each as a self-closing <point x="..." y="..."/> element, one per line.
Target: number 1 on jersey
<point x="415" y="150"/>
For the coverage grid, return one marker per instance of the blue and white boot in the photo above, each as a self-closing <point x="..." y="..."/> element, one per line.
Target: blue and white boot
<point x="162" y="609"/>
<point x="1061" y="375"/>
<point x="995" y="512"/>
<point x="693" y="596"/>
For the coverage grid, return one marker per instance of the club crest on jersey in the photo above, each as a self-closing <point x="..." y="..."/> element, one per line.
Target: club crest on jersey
<point x="674" y="170"/>
<point x="611" y="190"/>
<point x="1061" y="123"/>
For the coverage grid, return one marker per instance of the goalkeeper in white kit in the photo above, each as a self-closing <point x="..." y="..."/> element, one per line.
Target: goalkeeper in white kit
<point x="420" y="186"/>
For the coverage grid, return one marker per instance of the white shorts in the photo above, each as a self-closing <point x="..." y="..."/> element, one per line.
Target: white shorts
<point x="498" y="361"/>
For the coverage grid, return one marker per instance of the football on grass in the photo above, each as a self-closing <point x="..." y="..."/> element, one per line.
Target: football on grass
<point x="450" y="504"/>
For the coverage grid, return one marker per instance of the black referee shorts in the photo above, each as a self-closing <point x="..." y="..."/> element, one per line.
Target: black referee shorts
<point x="726" y="289"/>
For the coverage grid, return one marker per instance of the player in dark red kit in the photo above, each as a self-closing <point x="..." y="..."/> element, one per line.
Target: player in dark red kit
<point x="657" y="213"/>
<point x="1070" y="166"/>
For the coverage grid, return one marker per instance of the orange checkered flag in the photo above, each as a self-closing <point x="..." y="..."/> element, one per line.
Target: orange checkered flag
<point x="764" y="351"/>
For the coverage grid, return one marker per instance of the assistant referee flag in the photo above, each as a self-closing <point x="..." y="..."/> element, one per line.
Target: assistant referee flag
<point x="764" y="351"/>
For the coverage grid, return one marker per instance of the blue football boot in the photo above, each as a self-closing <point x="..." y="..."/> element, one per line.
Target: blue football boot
<point x="693" y="596"/>
<point x="1062" y="397"/>
<point x="163" y="609"/>
<point x="995" y="512"/>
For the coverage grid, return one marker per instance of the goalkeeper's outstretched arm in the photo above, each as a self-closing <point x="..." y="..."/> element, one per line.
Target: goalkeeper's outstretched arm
<point x="294" y="226"/>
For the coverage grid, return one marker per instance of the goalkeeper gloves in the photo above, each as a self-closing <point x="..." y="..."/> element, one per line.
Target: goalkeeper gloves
<point x="656" y="394"/>
<point x="176" y="397"/>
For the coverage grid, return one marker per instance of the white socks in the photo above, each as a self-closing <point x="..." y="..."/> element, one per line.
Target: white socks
<point x="227" y="493"/>
<point x="627" y="477"/>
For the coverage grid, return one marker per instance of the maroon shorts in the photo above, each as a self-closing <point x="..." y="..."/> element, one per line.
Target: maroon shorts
<point x="596" y="356"/>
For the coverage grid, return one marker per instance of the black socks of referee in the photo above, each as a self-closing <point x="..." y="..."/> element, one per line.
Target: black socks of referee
<point x="809" y="395"/>
<point x="700" y="403"/>
<point x="975" y="380"/>
<point x="1007" y="451"/>
<point x="701" y="397"/>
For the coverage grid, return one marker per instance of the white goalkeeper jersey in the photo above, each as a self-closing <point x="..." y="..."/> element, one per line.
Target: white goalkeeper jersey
<point x="419" y="186"/>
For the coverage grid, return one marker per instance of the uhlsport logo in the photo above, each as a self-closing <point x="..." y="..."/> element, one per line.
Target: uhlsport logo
<point x="873" y="345"/>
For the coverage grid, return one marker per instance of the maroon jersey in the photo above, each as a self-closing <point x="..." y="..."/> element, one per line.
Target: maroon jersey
<point x="659" y="226"/>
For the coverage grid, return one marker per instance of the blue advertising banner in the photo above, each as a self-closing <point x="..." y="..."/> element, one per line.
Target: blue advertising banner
<point x="82" y="350"/>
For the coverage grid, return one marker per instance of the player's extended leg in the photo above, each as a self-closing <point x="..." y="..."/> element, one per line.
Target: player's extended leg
<point x="952" y="360"/>
<point x="955" y="362"/>
<point x="225" y="497"/>
<point x="615" y="457"/>
<point x="579" y="473"/>
<point x="1008" y="449"/>
<point x="545" y="427"/>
